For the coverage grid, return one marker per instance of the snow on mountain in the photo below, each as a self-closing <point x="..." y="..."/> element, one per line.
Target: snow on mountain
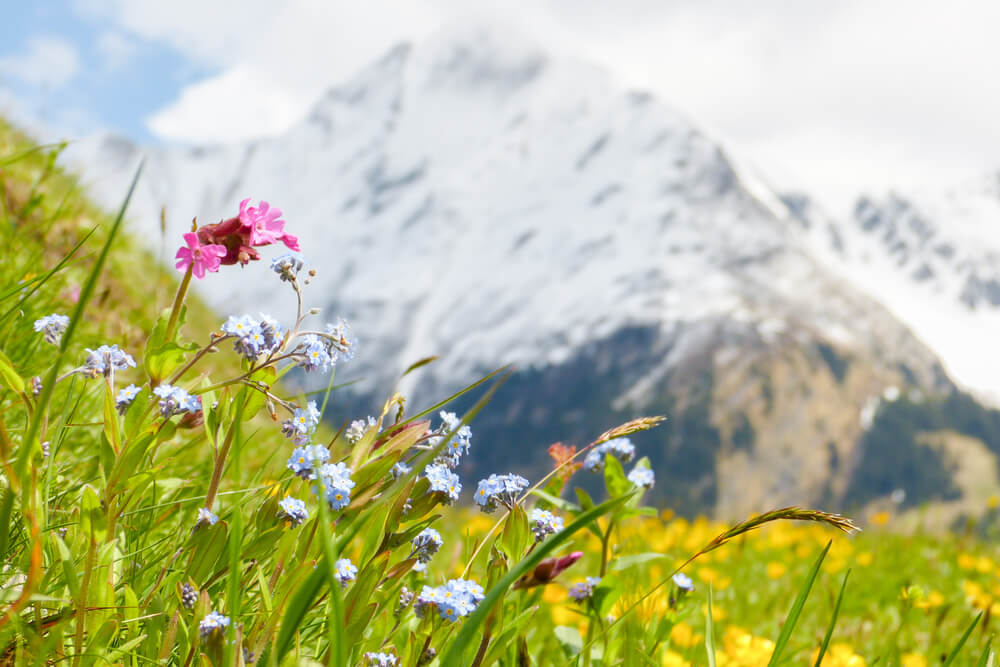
<point x="933" y="259"/>
<point x="479" y="199"/>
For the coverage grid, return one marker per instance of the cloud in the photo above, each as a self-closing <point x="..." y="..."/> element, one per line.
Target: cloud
<point x="833" y="97"/>
<point x="229" y="107"/>
<point x="47" y="62"/>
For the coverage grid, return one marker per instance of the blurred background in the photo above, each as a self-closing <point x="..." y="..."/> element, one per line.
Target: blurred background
<point x="776" y="224"/>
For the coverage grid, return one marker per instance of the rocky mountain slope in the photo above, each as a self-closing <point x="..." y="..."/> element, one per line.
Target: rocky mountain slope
<point x="475" y="198"/>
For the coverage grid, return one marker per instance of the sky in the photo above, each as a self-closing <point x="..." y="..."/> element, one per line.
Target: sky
<point x="832" y="97"/>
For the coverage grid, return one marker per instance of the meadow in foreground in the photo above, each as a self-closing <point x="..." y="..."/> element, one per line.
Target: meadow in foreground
<point x="165" y="502"/>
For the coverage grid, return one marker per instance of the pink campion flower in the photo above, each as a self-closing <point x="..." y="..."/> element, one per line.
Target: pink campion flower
<point x="547" y="570"/>
<point x="265" y="223"/>
<point x="200" y="257"/>
<point x="291" y="241"/>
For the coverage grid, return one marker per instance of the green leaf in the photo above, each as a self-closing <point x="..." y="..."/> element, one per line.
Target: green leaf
<point x="833" y="621"/>
<point x="516" y="534"/>
<point x="796" y="610"/>
<point x="986" y="659"/>
<point x="93" y="522"/>
<point x="614" y="477"/>
<point x="9" y="375"/>
<point x="961" y="642"/>
<point x="456" y="652"/>
<point x="295" y="613"/>
<point x="161" y="361"/>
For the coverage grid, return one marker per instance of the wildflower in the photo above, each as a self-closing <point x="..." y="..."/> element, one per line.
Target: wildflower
<point x="303" y="421"/>
<point x="125" y="397"/>
<point x="287" y="266"/>
<point x="272" y="332"/>
<point x="683" y="582"/>
<point x="457" y="598"/>
<point x="358" y="428"/>
<point x="400" y="469"/>
<point x="380" y="659"/>
<point x="293" y="510"/>
<point x="213" y="625"/>
<point x="314" y="354"/>
<point x="458" y="445"/>
<point x="53" y="325"/>
<point x="189" y="596"/>
<point x="337" y="484"/>
<point x="342" y="340"/>
<point x="443" y="481"/>
<point x="106" y="359"/>
<point x="405" y="600"/>
<point x="175" y="401"/>
<point x="642" y="476"/>
<point x="547" y="570"/>
<point x="205" y="517"/>
<point x="426" y="544"/>
<point x="305" y="460"/>
<point x="238" y="326"/>
<point x="499" y="490"/>
<point x="46" y="449"/>
<point x="584" y="590"/>
<point x="36" y="385"/>
<point x="265" y="225"/>
<point x="622" y="448"/>
<point x="544" y="523"/>
<point x="344" y="571"/>
<point x="200" y="258"/>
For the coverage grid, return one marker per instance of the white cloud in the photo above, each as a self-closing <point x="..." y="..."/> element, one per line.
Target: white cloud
<point x="48" y="62"/>
<point x="834" y="97"/>
<point x="229" y="107"/>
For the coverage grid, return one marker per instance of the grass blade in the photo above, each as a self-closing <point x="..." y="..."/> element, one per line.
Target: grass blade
<point x="833" y="621"/>
<point x="986" y="659"/>
<point x="961" y="642"/>
<point x="455" y="655"/>
<point x="710" y="631"/>
<point x="796" y="610"/>
<point x="86" y="292"/>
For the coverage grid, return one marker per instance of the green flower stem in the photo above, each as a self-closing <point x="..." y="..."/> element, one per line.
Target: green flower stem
<point x="178" y="302"/>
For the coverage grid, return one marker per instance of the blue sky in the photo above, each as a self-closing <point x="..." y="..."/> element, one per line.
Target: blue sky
<point x="112" y="79"/>
<point x="831" y="97"/>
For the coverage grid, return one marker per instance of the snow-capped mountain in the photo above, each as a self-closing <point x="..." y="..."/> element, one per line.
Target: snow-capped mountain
<point x="933" y="258"/>
<point x="478" y="199"/>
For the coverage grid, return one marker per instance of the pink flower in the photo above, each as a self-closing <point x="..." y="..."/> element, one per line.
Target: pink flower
<point x="263" y="222"/>
<point x="547" y="570"/>
<point x="200" y="257"/>
<point x="291" y="241"/>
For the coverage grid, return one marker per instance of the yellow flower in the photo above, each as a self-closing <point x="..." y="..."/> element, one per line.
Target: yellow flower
<point x="966" y="561"/>
<point x="879" y="518"/>
<point x="913" y="660"/>
<point x="671" y="659"/>
<point x="993" y="502"/>
<point x="984" y="565"/>
<point x="776" y="570"/>
<point x="864" y="558"/>
<point x="840" y="655"/>
<point x="683" y="635"/>
<point x="933" y="599"/>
